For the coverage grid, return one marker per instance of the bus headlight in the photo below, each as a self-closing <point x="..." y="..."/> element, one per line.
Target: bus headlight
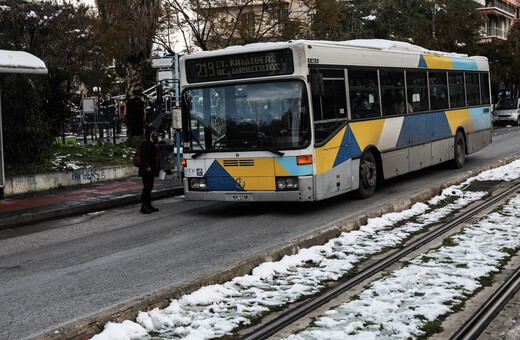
<point x="287" y="183"/>
<point x="198" y="183"/>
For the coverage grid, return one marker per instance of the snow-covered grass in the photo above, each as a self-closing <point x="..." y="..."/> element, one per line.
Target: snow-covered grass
<point x="77" y="156"/>
<point x="218" y="310"/>
<point x="73" y="157"/>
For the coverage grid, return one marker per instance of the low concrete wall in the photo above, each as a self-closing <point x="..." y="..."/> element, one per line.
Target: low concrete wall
<point x="23" y="184"/>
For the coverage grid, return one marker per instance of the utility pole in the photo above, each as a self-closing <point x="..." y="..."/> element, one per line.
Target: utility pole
<point x="433" y="20"/>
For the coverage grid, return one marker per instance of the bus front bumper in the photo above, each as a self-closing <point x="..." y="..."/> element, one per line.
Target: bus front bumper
<point x="303" y="194"/>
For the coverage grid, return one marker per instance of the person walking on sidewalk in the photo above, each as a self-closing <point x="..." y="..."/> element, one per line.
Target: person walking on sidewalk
<point x="148" y="168"/>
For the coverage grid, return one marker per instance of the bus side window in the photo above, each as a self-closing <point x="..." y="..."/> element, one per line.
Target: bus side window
<point x="457" y="95"/>
<point x="392" y="92"/>
<point x="417" y="90"/>
<point x="334" y="99"/>
<point x="484" y="88"/>
<point x="438" y="90"/>
<point x="472" y="89"/>
<point x="330" y="110"/>
<point x="364" y="94"/>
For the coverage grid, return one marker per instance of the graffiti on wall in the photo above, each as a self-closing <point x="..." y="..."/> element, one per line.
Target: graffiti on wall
<point x="88" y="175"/>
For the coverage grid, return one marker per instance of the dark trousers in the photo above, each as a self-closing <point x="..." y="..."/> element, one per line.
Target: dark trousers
<point x="146" y="195"/>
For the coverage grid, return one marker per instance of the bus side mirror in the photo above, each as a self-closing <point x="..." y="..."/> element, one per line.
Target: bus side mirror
<point x="317" y="87"/>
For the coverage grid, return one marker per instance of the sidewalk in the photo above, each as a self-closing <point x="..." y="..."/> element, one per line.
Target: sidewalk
<point x="47" y="205"/>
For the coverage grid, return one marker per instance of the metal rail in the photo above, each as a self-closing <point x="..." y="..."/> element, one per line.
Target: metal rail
<point x="478" y="322"/>
<point x="308" y="306"/>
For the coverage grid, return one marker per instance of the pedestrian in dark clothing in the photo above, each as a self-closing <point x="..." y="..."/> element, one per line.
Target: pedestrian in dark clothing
<point x="148" y="168"/>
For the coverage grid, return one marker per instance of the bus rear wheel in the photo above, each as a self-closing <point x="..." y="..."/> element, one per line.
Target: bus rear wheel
<point x="459" y="151"/>
<point x="367" y="175"/>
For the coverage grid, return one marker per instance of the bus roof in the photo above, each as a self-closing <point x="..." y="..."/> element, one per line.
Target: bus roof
<point x="368" y="44"/>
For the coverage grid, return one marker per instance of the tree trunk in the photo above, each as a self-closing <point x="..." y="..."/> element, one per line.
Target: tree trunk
<point x="134" y="99"/>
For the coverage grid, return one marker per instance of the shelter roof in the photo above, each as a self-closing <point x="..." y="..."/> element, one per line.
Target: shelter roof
<point x="21" y="62"/>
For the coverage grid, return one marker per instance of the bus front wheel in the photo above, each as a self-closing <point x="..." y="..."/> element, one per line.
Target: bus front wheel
<point x="459" y="151"/>
<point x="367" y="175"/>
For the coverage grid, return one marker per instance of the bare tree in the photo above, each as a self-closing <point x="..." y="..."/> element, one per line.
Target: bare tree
<point x="219" y="24"/>
<point x="126" y="29"/>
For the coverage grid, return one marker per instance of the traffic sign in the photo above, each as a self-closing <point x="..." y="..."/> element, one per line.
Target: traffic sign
<point x="162" y="62"/>
<point x="89" y="105"/>
<point x="164" y="75"/>
<point x="176" y="118"/>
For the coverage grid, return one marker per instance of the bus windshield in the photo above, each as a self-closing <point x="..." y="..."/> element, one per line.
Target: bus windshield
<point x="264" y="116"/>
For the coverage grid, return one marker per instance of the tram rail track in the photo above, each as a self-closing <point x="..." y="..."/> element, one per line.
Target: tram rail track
<point x="479" y="321"/>
<point x="308" y="306"/>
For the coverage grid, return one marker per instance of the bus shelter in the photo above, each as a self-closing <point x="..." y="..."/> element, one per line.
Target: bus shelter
<point x="15" y="62"/>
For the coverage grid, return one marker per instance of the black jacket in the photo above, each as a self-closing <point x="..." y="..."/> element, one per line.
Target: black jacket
<point x="148" y="155"/>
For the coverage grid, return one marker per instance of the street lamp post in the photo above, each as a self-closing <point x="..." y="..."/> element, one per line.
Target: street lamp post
<point x="96" y="49"/>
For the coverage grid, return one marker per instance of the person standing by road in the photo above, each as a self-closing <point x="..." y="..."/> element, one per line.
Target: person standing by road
<point x="148" y="168"/>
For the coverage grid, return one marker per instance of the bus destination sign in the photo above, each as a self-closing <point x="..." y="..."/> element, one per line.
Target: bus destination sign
<point x="248" y="65"/>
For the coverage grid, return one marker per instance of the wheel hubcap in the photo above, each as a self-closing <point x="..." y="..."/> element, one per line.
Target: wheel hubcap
<point x="368" y="171"/>
<point x="460" y="151"/>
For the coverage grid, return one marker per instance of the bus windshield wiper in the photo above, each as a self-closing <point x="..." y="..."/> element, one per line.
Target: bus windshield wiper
<point x="198" y="153"/>
<point x="263" y="147"/>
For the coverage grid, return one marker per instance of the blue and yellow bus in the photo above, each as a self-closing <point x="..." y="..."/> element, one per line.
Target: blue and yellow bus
<point x="308" y="120"/>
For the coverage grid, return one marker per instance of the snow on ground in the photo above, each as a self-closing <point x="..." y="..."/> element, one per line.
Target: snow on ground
<point x="408" y="298"/>
<point x="401" y="304"/>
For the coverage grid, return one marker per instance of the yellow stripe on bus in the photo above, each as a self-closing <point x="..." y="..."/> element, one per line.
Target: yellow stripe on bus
<point x="368" y="133"/>
<point x="458" y="118"/>
<point x="435" y="61"/>
<point x="248" y="167"/>
<point x="259" y="183"/>
<point x="326" y="155"/>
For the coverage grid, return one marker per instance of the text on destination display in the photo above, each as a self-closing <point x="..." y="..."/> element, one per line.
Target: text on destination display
<point x="235" y="66"/>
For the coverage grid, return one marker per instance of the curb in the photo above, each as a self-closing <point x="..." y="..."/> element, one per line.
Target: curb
<point x="53" y="214"/>
<point x="91" y="325"/>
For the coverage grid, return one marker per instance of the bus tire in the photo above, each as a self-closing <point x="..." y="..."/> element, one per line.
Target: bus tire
<point x="367" y="175"/>
<point x="459" y="151"/>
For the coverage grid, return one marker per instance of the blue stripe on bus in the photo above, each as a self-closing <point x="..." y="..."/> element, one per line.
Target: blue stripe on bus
<point x="463" y="63"/>
<point x="422" y="62"/>
<point x="290" y="165"/>
<point x="440" y="124"/>
<point x="423" y="128"/>
<point x="348" y="148"/>
<point x="481" y="120"/>
<point x="219" y="179"/>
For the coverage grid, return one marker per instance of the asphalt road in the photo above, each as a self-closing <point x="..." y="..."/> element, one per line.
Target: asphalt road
<point x="60" y="271"/>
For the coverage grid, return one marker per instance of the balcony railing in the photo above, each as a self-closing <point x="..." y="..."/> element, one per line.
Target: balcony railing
<point x="495" y="32"/>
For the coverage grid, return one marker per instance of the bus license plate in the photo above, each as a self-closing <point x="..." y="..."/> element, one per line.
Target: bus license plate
<point x="239" y="197"/>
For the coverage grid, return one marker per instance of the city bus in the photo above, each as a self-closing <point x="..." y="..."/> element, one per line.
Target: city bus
<point x="308" y="120"/>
